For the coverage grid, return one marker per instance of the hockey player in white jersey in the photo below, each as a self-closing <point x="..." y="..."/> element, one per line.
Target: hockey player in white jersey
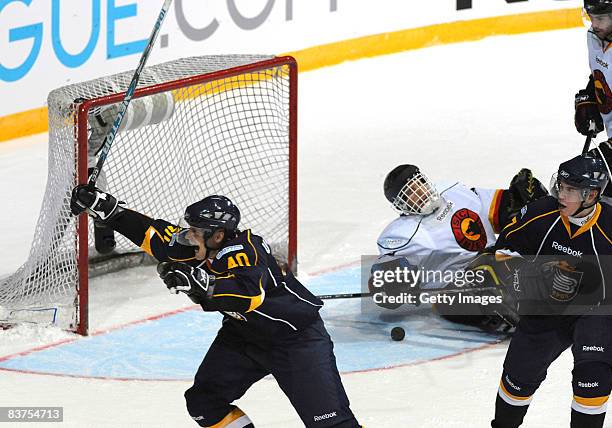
<point x="441" y="227"/>
<point x="594" y="103"/>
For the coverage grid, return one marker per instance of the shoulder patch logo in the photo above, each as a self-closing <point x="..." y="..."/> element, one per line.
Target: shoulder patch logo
<point x="228" y="250"/>
<point x="468" y="230"/>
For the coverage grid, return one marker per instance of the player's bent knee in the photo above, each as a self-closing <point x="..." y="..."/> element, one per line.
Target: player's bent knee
<point x="591" y="384"/>
<point x="515" y="392"/>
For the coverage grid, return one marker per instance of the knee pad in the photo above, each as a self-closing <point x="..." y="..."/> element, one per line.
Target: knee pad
<point x="515" y="392"/>
<point x="591" y="384"/>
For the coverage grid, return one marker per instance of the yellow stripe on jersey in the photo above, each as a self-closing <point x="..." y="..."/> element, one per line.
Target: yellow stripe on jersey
<point x="494" y="210"/>
<point x="529" y="221"/>
<point x="512" y="223"/>
<point x="593" y="402"/>
<point x="182" y="260"/>
<point x="603" y="233"/>
<point x="585" y="226"/>
<point x="146" y="243"/>
<point x="256" y="301"/>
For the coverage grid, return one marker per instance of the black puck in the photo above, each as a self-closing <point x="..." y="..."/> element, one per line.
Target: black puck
<point x="397" y="334"/>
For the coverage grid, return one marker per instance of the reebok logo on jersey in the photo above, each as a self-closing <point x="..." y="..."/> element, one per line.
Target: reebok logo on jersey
<point x="325" y="416"/>
<point x="566" y="250"/>
<point x="601" y="62"/>
<point x="393" y="243"/>
<point x="594" y="348"/>
<point x="447" y="209"/>
<point x="588" y="384"/>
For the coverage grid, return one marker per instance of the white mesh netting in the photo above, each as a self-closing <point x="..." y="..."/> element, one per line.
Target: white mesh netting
<point x="227" y="136"/>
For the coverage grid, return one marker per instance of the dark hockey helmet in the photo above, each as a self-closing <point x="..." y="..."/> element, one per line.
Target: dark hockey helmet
<point x="598" y="7"/>
<point x="582" y="172"/>
<point x="213" y="212"/>
<point x="410" y="191"/>
<point x="208" y="215"/>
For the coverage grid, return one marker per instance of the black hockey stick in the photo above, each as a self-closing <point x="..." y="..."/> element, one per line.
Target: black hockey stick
<point x="587" y="143"/>
<point x="343" y="296"/>
<point x="108" y="140"/>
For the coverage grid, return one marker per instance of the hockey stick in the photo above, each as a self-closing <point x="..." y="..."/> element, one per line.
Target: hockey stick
<point x="108" y="140"/>
<point x="587" y="143"/>
<point x="343" y="296"/>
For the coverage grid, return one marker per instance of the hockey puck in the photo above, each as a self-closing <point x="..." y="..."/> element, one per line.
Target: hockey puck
<point x="397" y="334"/>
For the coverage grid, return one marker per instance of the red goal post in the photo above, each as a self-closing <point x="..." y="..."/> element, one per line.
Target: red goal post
<point x="196" y="126"/>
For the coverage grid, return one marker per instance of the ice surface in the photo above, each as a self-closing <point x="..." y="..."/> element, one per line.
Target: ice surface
<point x="475" y="112"/>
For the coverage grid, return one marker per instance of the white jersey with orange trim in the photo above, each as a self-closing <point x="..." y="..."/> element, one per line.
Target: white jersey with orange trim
<point x="600" y="61"/>
<point x="448" y="238"/>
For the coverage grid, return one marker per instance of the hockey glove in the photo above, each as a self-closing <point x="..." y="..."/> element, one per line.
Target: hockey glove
<point x="100" y="205"/>
<point x="195" y="282"/>
<point x="556" y="287"/>
<point x="524" y="188"/>
<point x="587" y="117"/>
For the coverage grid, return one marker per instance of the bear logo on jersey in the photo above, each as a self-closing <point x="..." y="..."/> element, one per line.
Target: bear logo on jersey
<point x="468" y="230"/>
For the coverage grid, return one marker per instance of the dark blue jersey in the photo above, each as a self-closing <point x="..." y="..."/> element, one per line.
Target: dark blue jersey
<point x="540" y="233"/>
<point x="257" y="299"/>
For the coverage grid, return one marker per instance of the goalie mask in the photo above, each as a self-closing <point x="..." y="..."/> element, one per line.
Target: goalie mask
<point x="410" y="191"/>
<point x="207" y="216"/>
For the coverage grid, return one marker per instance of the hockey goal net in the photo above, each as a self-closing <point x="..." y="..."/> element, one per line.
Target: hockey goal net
<point x="196" y="126"/>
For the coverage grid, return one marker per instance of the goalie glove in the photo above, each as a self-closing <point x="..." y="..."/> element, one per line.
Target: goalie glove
<point x="100" y="205"/>
<point x="179" y="277"/>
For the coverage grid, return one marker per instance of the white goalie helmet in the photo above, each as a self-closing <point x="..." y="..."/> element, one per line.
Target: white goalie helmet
<point x="410" y="191"/>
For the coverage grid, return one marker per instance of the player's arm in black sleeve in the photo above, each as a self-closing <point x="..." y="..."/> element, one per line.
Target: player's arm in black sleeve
<point x="153" y="236"/>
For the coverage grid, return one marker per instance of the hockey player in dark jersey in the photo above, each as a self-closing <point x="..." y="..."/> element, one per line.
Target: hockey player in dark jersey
<point x="271" y="321"/>
<point x="556" y="253"/>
